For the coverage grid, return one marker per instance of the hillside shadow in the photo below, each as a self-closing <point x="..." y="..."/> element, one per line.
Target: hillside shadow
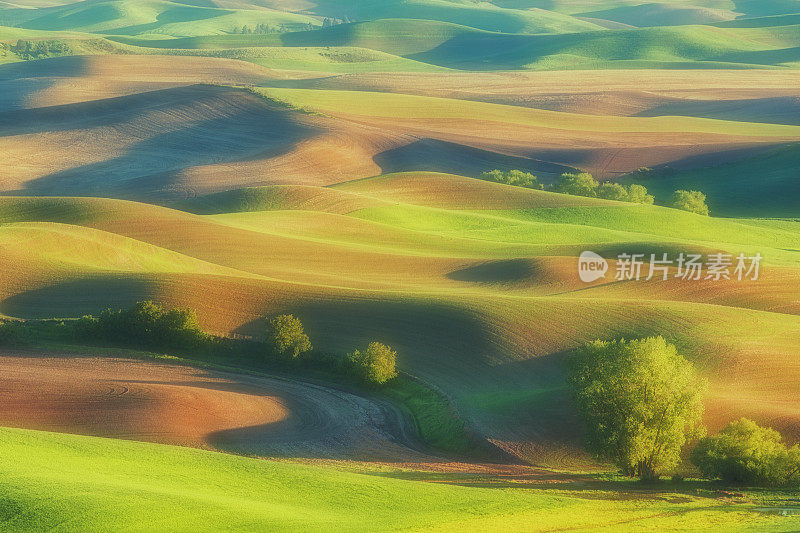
<point x="773" y="110"/>
<point x="343" y="324"/>
<point x="21" y="80"/>
<point x="489" y="51"/>
<point x="763" y="57"/>
<point x="509" y="271"/>
<point x="442" y="156"/>
<point x="241" y="132"/>
<point x="51" y="67"/>
<point x="107" y="112"/>
<point x="79" y="297"/>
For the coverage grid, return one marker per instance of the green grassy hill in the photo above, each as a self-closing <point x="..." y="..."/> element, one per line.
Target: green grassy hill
<point x="662" y="14"/>
<point x="141" y="17"/>
<point x="678" y="47"/>
<point x="484" y="274"/>
<point x="461" y="47"/>
<point x="71" y="483"/>
<point x="394" y="36"/>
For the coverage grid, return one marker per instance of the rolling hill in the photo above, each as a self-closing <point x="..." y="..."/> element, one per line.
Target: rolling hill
<point x="125" y="17"/>
<point x="479" y="271"/>
<point x="249" y="158"/>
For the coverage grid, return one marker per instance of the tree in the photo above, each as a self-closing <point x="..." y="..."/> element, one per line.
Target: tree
<point x="580" y="184"/>
<point x="640" y="400"/>
<point x="745" y="452"/>
<point x="612" y="191"/>
<point x="286" y="335"/>
<point x="376" y="364"/>
<point x="517" y="178"/>
<point x="148" y="324"/>
<point x="638" y="195"/>
<point x="692" y="201"/>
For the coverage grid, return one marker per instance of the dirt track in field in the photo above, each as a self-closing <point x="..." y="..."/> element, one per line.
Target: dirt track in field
<point x="171" y="404"/>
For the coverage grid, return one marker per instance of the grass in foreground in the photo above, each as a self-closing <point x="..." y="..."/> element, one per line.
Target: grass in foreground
<point x="73" y="483"/>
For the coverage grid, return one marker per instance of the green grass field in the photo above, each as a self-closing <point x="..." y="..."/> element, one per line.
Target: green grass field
<point x="75" y="483"/>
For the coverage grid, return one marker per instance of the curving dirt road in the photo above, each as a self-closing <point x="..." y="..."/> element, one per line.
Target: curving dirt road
<point x="172" y="404"/>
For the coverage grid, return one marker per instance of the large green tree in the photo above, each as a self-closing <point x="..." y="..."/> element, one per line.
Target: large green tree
<point x="641" y="401"/>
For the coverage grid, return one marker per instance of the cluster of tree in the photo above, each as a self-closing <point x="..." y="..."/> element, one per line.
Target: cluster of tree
<point x="375" y="365"/>
<point x="259" y="29"/>
<point x="578" y="184"/>
<point x="647" y="172"/>
<point x="642" y="402"/>
<point x="584" y="184"/>
<point x="330" y="22"/>
<point x="28" y="50"/>
<point x="745" y="452"/>
<point x="517" y="178"/>
<point x="146" y="325"/>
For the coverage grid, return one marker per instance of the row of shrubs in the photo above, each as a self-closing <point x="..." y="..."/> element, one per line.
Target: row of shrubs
<point x="584" y="184"/>
<point x="376" y="364"/>
<point x="642" y="403"/>
<point x="149" y="326"/>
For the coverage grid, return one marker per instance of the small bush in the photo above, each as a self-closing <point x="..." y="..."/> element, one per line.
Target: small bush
<point x="517" y="178"/>
<point x="8" y="335"/>
<point x="612" y="191"/>
<point x="286" y="336"/>
<point x="637" y="194"/>
<point x="744" y="452"/>
<point x="579" y="184"/>
<point x="692" y="201"/>
<point x="376" y="365"/>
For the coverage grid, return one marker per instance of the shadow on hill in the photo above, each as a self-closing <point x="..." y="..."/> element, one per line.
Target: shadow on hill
<point x="759" y="181"/>
<point x="52" y="67"/>
<point x="510" y="271"/>
<point x="343" y="325"/>
<point x="480" y="51"/>
<point x="218" y="125"/>
<point x="776" y="110"/>
<point x="451" y="158"/>
<point x="75" y="298"/>
<point x="19" y="81"/>
<point x="763" y="57"/>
